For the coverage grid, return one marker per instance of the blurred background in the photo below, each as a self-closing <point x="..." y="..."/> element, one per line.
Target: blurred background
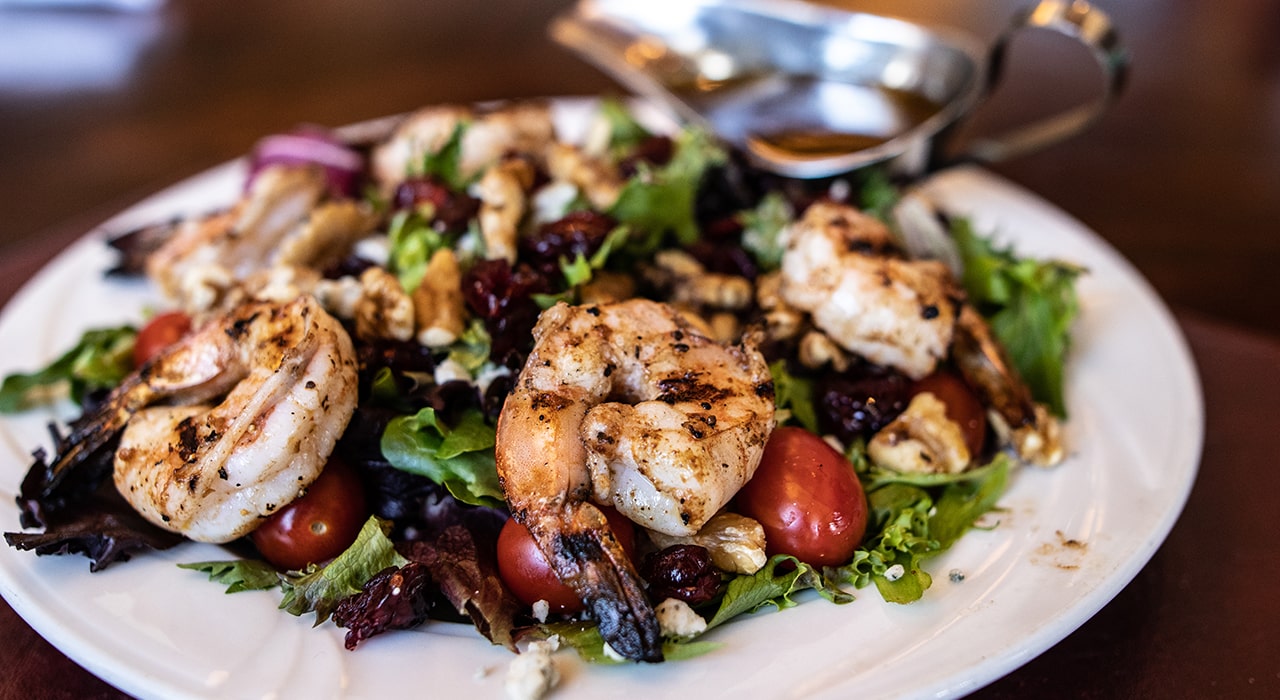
<point x="101" y="105"/>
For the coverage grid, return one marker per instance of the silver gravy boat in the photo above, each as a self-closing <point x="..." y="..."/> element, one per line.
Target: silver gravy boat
<point x="809" y="91"/>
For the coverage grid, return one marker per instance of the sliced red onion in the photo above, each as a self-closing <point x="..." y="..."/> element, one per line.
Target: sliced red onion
<point x="342" y="165"/>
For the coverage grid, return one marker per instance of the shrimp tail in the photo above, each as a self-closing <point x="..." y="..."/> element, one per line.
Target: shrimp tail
<point x="93" y="432"/>
<point x="986" y="368"/>
<point x="589" y="559"/>
<point x="1032" y="431"/>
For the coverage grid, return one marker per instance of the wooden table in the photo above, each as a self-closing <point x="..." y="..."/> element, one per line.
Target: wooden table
<point x="1183" y="177"/>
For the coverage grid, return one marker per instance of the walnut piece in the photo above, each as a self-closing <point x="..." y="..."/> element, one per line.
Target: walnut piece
<point x="686" y="281"/>
<point x="503" y="202"/>
<point x="440" y="310"/>
<point x="593" y="176"/>
<point x="921" y="440"/>
<point x="817" y="350"/>
<point x="384" y="309"/>
<point x="735" y="542"/>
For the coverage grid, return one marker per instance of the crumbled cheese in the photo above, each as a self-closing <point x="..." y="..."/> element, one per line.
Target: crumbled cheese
<point x="532" y="674"/>
<point x="449" y="370"/>
<point x="677" y="619"/>
<point x="895" y="572"/>
<point x="834" y="441"/>
<point x="840" y="190"/>
<point x="339" y="296"/>
<point x="550" y="203"/>
<point x="540" y="610"/>
<point x="612" y="653"/>
<point x="376" y="249"/>
<point x="956" y="576"/>
<point x="487" y="373"/>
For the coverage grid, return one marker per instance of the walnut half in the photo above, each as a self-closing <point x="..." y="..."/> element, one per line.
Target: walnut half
<point x="921" y="440"/>
<point x="438" y="304"/>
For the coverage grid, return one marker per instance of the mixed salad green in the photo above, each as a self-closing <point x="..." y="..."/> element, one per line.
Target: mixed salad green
<point x="425" y="448"/>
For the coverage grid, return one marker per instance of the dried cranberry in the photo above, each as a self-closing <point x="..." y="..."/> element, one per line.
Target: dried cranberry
<point x="451" y="210"/>
<point x="450" y="399"/>
<point x="682" y="571"/>
<point x="502" y="296"/>
<point x="496" y="395"/>
<point x="578" y="232"/>
<point x="654" y="150"/>
<point x="346" y="266"/>
<point x="393" y="599"/>
<point x="859" y="407"/>
<point x="726" y="258"/>
<point x="725" y="190"/>
<point x="400" y="356"/>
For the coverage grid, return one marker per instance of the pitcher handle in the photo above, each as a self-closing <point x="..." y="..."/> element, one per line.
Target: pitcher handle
<point x="1093" y="29"/>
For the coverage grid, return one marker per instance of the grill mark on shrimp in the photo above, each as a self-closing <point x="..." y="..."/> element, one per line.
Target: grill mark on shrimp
<point x="690" y="388"/>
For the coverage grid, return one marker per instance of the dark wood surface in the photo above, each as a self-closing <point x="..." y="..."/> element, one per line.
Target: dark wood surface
<point x="1182" y="176"/>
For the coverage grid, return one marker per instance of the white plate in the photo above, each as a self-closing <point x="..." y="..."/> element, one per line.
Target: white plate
<point x="1069" y="540"/>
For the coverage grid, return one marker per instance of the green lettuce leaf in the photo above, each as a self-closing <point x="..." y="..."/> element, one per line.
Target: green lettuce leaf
<point x="878" y="195"/>
<point x="658" y="201"/>
<point x="1030" y="304"/>
<point x="900" y="521"/>
<point x="446" y="163"/>
<point x="964" y="501"/>
<point x="908" y="525"/>
<point x="762" y="228"/>
<point x="458" y="457"/>
<point x="581" y="269"/>
<point x="625" y="133"/>
<point x="471" y="349"/>
<point x="238" y="574"/>
<point x="101" y="360"/>
<point x="412" y="241"/>
<point x="319" y="590"/>
<point x="780" y="578"/>
<point x="794" y="396"/>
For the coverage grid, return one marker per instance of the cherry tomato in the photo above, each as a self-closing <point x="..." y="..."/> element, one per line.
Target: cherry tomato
<point x="807" y="497"/>
<point x="318" y="526"/>
<point x="527" y="574"/>
<point x="962" y="404"/>
<point x="160" y="332"/>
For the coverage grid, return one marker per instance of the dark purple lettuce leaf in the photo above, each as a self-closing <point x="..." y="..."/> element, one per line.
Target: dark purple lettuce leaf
<point x="463" y="560"/>
<point x="137" y="245"/>
<point x="104" y="528"/>
<point x="452" y="572"/>
<point x="77" y="505"/>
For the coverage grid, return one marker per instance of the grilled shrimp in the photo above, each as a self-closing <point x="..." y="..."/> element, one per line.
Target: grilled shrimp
<point x="231" y="423"/>
<point x="515" y="128"/>
<point x="842" y="267"/>
<point x="627" y="404"/>
<point x="206" y="255"/>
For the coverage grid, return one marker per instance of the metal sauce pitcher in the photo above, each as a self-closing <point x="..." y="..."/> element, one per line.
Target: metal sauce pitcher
<point x="808" y="91"/>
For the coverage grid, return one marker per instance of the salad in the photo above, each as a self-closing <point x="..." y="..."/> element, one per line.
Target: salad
<point x="397" y="294"/>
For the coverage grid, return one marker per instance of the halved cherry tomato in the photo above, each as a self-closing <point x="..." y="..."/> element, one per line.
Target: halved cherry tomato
<point x="527" y="574"/>
<point x="318" y="526"/>
<point x="159" y="333"/>
<point x="963" y="406"/>
<point x="807" y="497"/>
